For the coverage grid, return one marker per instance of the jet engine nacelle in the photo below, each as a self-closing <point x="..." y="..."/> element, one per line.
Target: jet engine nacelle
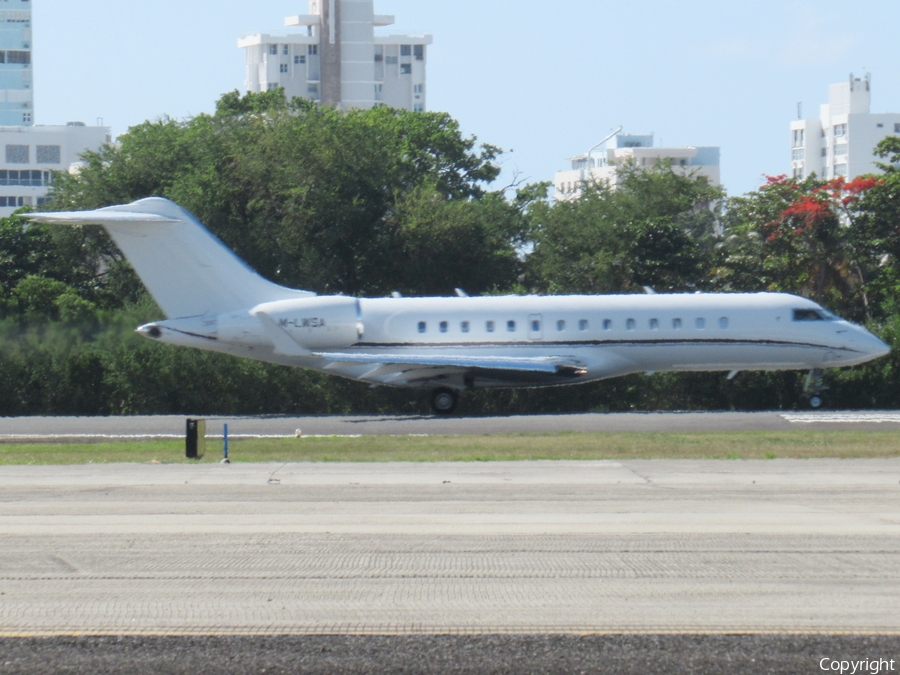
<point x="315" y="323"/>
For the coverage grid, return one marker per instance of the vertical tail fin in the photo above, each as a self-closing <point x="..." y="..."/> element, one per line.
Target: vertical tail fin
<point x="186" y="269"/>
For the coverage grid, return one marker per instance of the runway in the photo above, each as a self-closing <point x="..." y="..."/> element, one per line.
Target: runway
<point x="566" y="548"/>
<point x="99" y="428"/>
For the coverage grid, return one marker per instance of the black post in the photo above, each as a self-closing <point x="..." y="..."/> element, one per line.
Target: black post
<point x="195" y="439"/>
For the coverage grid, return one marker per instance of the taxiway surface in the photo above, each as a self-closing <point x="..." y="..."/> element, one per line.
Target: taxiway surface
<point x="636" y="547"/>
<point x="98" y="428"/>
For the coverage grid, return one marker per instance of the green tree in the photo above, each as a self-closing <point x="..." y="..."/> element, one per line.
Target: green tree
<point x="311" y="197"/>
<point x="656" y="228"/>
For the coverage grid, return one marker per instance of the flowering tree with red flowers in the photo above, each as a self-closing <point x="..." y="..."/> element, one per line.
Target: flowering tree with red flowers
<point x="797" y="236"/>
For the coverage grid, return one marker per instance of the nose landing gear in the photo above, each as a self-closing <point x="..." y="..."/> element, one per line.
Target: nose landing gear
<point x="814" y="388"/>
<point x="444" y="401"/>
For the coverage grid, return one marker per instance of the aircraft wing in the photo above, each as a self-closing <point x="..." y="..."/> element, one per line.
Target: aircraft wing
<point x="540" y="364"/>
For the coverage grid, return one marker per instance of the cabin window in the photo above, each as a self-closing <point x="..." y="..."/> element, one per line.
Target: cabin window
<point x="654" y="324"/>
<point x="489" y="326"/>
<point x="700" y="323"/>
<point x="607" y="324"/>
<point x="560" y="325"/>
<point x="583" y="325"/>
<point x="511" y="326"/>
<point x="423" y="326"/>
<point x="631" y="324"/>
<point x="676" y="324"/>
<point x="444" y="326"/>
<point x="464" y="326"/>
<point x="723" y="322"/>
<point x="535" y="326"/>
<point x="809" y="315"/>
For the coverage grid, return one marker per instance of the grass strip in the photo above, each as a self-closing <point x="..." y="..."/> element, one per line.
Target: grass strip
<point x="799" y="444"/>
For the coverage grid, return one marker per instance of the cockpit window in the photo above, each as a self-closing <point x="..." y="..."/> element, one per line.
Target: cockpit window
<point x="811" y="315"/>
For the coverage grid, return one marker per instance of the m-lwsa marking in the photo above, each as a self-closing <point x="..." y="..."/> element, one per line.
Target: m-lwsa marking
<point x="302" y="323"/>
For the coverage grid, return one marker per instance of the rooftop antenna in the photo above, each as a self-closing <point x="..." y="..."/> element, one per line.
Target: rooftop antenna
<point x="588" y="153"/>
<point x="800" y="110"/>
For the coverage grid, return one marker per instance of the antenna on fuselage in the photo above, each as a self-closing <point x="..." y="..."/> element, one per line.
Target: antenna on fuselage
<point x="396" y="294"/>
<point x="461" y="293"/>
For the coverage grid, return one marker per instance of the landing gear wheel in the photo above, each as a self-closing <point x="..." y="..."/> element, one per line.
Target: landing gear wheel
<point x="815" y="402"/>
<point x="444" y="401"/>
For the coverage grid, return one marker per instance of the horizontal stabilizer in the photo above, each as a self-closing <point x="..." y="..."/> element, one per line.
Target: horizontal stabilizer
<point x="186" y="269"/>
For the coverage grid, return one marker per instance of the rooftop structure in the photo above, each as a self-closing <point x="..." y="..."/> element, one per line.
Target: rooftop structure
<point x="335" y="58"/>
<point x="841" y="140"/>
<point x="603" y="162"/>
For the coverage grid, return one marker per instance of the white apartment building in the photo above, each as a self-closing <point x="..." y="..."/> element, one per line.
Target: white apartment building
<point x="335" y="58"/>
<point x="841" y="140"/>
<point x="603" y="162"/>
<point x="16" y="94"/>
<point x="29" y="155"/>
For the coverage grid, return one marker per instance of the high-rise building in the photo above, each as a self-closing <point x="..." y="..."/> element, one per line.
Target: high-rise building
<point x="336" y="58"/>
<point x="603" y="162"/>
<point x="16" y="94"/>
<point x="29" y="154"/>
<point x="840" y="142"/>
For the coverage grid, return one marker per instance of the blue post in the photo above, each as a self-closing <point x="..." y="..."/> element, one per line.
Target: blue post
<point x="225" y="446"/>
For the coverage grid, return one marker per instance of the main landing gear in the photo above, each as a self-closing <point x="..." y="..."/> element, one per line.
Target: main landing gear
<point x="814" y="389"/>
<point x="444" y="401"/>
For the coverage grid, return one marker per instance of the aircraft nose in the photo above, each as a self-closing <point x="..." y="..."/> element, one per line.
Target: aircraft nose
<point x="879" y="348"/>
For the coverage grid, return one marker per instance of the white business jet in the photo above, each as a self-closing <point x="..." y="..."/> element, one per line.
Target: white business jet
<point x="213" y="301"/>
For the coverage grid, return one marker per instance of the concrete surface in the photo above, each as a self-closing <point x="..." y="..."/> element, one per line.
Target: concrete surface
<point x="638" y="547"/>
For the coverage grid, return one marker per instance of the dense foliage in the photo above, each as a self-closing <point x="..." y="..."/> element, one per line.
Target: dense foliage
<point x="370" y="202"/>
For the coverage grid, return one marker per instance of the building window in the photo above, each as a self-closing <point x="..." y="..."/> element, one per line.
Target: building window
<point x="312" y="90"/>
<point x="676" y="324"/>
<point x="880" y="125"/>
<point x="419" y="52"/>
<point x="418" y="107"/>
<point x="840" y="170"/>
<point x="313" y="50"/>
<point x="26" y="118"/>
<point x="797" y="155"/>
<point x="18" y="154"/>
<point x="444" y="326"/>
<point x="700" y="323"/>
<point x="405" y="50"/>
<point x="560" y="325"/>
<point x="423" y="327"/>
<point x="799" y="138"/>
<point x="631" y="324"/>
<point x="406" y="69"/>
<point x="7" y="202"/>
<point x="607" y="324"/>
<point x="489" y="326"/>
<point x="272" y="86"/>
<point x="391" y="60"/>
<point x="535" y="326"/>
<point x="897" y="128"/>
<point x="299" y="59"/>
<point x="284" y="68"/>
<point x="723" y="322"/>
<point x="49" y="154"/>
<point x="583" y="325"/>
<point x="273" y="50"/>
<point x="654" y="324"/>
<point x="840" y="130"/>
<point x="511" y="326"/>
<point x="840" y="149"/>
<point x="286" y="50"/>
<point x="23" y="58"/>
<point x="464" y="326"/>
<point x="419" y="88"/>
<point x="824" y="152"/>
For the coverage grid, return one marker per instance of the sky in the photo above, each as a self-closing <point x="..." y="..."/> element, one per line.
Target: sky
<point x="542" y="80"/>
